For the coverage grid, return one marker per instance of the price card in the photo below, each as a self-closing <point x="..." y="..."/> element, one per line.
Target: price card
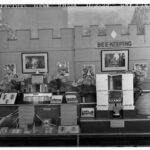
<point x="71" y="99"/>
<point x="57" y="99"/>
<point x="68" y="129"/>
<point x="117" y="124"/>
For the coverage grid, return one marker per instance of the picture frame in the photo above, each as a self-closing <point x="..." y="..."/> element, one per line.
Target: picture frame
<point x="8" y="98"/>
<point x="56" y="99"/>
<point x="71" y="98"/>
<point x="115" y="60"/>
<point x="87" y="112"/>
<point x="34" y="62"/>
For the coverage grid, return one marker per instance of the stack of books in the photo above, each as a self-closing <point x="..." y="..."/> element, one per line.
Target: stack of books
<point x="26" y="116"/>
<point x="68" y="114"/>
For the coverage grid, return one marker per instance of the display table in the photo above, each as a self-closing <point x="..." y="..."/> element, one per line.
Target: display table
<point x="114" y="139"/>
<point x="137" y="125"/>
<point x="99" y="139"/>
<point x="93" y="131"/>
<point x="39" y="140"/>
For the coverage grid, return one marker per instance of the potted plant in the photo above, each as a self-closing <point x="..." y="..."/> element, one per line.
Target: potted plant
<point x="141" y="99"/>
<point x="86" y="89"/>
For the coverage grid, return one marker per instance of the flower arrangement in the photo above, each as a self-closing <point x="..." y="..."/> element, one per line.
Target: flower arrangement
<point x="86" y="88"/>
<point x="137" y="83"/>
<point x="57" y="84"/>
<point x="11" y="81"/>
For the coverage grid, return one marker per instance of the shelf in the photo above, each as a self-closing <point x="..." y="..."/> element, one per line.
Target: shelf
<point x="36" y="135"/>
<point x="39" y="140"/>
<point x="94" y="103"/>
<point x="79" y="134"/>
<point x="145" y="91"/>
<point x="82" y="139"/>
<point x="115" y="90"/>
<point x="102" y="120"/>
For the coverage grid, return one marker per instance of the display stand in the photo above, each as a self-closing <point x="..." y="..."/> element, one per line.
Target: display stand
<point x="93" y="132"/>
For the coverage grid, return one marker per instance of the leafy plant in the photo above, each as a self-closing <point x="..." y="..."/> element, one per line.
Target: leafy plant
<point x="137" y="86"/>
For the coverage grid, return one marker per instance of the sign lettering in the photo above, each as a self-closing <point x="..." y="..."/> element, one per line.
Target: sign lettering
<point x="115" y="44"/>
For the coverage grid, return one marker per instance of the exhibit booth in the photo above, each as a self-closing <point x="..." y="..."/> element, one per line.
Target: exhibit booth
<point x="75" y="88"/>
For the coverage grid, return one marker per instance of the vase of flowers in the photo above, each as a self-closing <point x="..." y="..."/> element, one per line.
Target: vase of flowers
<point x="86" y="89"/>
<point x="142" y="100"/>
<point x="11" y="82"/>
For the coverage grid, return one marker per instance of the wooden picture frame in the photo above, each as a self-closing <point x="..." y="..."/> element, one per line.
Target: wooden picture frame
<point x="114" y="60"/>
<point x="35" y="62"/>
<point x="56" y="99"/>
<point x="87" y="112"/>
<point x="8" y="98"/>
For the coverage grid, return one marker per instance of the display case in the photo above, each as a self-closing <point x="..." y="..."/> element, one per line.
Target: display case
<point x="116" y="94"/>
<point x="40" y="118"/>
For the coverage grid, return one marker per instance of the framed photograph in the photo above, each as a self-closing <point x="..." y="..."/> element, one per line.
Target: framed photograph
<point x="35" y="62"/>
<point x="114" y="60"/>
<point x="87" y="112"/>
<point x="8" y="98"/>
<point x="141" y="70"/>
<point x="71" y="99"/>
<point x="56" y="99"/>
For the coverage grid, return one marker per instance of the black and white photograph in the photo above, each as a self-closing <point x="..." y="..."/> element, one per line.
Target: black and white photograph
<point x="87" y="112"/>
<point x="114" y="60"/>
<point x="8" y="98"/>
<point x="75" y="75"/>
<point x="34" y="62"/>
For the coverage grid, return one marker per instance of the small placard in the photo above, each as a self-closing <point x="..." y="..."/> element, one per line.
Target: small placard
<point x="37" y="79"/>
<point x="16" y="131"/>
<point x="117" y="124"/>
<point x="8" y="98"/>
<point x="87" y="112"/>
<point x="71" y="99"/>
<point x="68" y="129"/>
<point x="57" y="99"/>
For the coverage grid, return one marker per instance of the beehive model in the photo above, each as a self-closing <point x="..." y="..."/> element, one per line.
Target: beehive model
<point x="109" y="87"/>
